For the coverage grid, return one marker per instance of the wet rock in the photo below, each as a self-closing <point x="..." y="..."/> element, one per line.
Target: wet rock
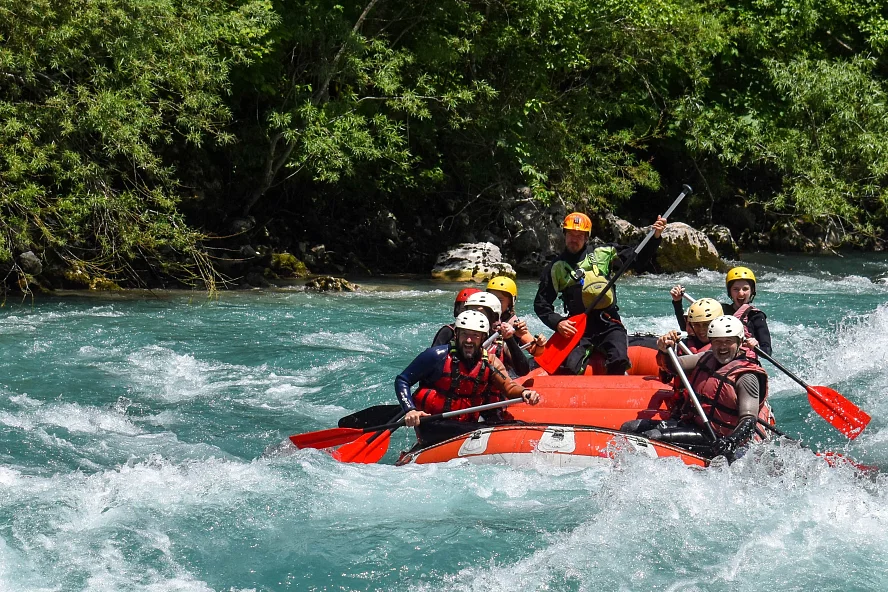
<point x="471" y="262"/>
<point x="287" y="265"/>
<point x="683" y="248"/>
<point x="722" y="239"/>
<point x="30" y="263"/>
<point x="329" y="283"/>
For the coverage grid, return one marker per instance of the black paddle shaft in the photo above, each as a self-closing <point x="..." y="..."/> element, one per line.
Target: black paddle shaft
<point x="780" y="367"/>
<point x="447" y="415"/>
<point x="685" y="191"/>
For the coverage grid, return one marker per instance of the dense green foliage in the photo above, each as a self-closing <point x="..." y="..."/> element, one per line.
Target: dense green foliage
<point x="99" y="103"/>
<point x="130" y="130"/>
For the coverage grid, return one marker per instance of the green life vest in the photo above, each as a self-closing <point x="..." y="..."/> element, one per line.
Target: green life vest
<point x="596" y="270"/>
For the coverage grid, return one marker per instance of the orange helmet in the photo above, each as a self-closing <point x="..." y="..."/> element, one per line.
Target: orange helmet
<point x="577" y="221"/>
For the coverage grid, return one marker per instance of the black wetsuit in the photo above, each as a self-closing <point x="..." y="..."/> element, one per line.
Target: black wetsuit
<point x="757" y="324"/>
<point x="604" y="329"/>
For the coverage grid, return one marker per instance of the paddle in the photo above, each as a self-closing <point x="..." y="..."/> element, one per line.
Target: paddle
<point x="559" y="346"/>
<point x="691" y="393"/>
<point x="338" y="436"/>
<point x="371" y="416"/>
<point x="841" y="413"/>
<point x="369" y="448"/>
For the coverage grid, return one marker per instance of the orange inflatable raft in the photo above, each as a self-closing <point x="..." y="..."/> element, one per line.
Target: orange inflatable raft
<point x="535" y="445"/>
<point x="576" y="422"/>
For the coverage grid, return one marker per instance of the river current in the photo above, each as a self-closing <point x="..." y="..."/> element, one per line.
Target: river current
<point x="132" y="432"/>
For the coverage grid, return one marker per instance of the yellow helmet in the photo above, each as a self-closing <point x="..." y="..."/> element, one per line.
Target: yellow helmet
<point x="504" y="284"/>
<point x="704" y="310"/>
<point x="740" y="273"/>
<point x="577" y="221"/>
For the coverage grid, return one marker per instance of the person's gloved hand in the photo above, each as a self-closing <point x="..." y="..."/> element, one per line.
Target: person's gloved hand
<point x="724" y="447"/>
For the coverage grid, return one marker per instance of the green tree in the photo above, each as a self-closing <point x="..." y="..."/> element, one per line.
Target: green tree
<point x="99" y="99"/>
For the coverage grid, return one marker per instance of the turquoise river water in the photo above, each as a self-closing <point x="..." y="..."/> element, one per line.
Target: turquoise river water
<point x="132" y="431"/>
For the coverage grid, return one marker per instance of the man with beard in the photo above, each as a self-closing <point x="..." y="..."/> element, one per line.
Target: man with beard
<point x="578" y="275"/>
<point x="456" y="376"/>
<point x="731" y="386"/>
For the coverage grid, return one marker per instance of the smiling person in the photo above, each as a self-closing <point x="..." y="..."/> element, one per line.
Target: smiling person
<point x="700" y="316"/>
<point x="577" y="276"/>
<point x="740" y="283"/>
<point x="732" y="388"/>
<point x="453" y="377"/>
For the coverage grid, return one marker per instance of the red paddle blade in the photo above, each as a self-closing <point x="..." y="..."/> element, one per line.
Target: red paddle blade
<point x="834" y="459"/>
<point x="326" y="438"/>
<point x="366" y="450"/>
<point x="559" y="346"/>
<point x="841" y="413"/>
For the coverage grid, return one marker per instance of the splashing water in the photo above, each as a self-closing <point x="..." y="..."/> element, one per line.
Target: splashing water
<point x="133" y="431"/>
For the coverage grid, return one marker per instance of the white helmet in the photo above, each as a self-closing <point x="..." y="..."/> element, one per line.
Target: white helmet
<point x="473" y="321"/>
<point x="487" y="300"/>
<point x="726" y="326"/>
<point x="704" y="310"/>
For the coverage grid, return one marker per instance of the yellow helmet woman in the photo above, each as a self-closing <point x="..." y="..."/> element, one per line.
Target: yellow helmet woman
<point x="740" y="273"/>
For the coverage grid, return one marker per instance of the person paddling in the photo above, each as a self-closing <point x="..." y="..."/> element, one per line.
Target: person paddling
<point x="445" y="333"/>
<point x="740" y="283"/>
<point x="506" y="290"/>
<point x="453" y="377"/>
<point x="504" y="346"/>
<point x="578" y="275"/>
<point x="732" y="388"/>
<point x="700" y="315"/>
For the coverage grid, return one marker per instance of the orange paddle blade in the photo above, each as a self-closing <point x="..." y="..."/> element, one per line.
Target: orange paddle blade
<point x="326" y="438"/>
<point x="841" y="413"/>
<point x="558" y="347"/>
<point x="367" y="449"/>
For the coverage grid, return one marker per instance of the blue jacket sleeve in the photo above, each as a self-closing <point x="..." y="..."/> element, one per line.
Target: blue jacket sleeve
<point x="426" y="367"/>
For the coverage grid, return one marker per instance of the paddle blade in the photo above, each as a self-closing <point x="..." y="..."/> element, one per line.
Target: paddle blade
<point x="834" y="459"/>
<point x="372" y="416"/>
<point x="326" y="438"/>
<point x="841" y="413"/>
<point x="558" y="346"/>
<point x="367" y="449"/>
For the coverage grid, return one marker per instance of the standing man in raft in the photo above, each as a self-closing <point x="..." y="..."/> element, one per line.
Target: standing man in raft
<point x="578" y="275"/>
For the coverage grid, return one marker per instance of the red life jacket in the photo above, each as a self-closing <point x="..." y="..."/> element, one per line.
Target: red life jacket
<point x="456" y="389"/>
<point x="715" y="386"/>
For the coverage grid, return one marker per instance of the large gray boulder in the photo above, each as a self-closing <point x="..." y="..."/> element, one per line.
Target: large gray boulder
<point x="684" y="248"/>
<point x="469" y="262"/>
